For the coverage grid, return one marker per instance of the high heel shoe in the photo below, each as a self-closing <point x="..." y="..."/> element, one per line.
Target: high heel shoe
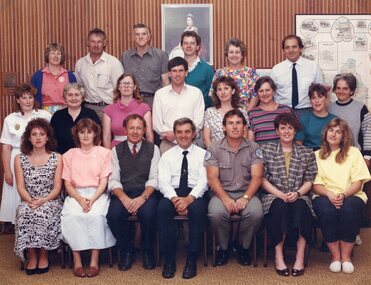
<point x="31" y="271"/>
<point x="283" y="272"/>
<point x="43" y="270"/>
<point x="297" y="272"/>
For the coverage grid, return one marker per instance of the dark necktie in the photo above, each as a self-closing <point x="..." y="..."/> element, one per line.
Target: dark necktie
<point x="295" y="92"/>
<point x="183" y="183"/>
<point x="134" y="150"/>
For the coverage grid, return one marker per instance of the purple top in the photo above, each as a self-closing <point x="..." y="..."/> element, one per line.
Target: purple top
<point x="118" y="113"/>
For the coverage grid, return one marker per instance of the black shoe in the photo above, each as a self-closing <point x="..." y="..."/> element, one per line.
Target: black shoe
<point x="244" y="257"/>
<point x="126" y="260"/>
<point x="43" y="270"/>
<point x="222" y="257"/>
<point x="190" y="270"/>
<point x="297" y="272"/>
<point x="31" y="271"/>
<point x="148" y="260"/>
<point x="169" y="270"/>
<point x="283" y="272"/>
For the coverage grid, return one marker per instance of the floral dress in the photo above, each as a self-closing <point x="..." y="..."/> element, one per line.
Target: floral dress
<point x="39" y="228"/>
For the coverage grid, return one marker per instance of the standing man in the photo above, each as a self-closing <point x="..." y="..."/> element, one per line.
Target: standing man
<point x="200" y="73"/>
<point x="98" y="71"/>
<point x="175" y="101"/>
<point x="294" y="75"/>
<point x="132" y="185"/>
<point x="148" y="64"/>
<point x="183" y="182"/>
<point x="235" y="172"/>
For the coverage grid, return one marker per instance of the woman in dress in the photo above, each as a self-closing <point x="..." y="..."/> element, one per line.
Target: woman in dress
<point x="63" y="120"/>
<point x="127" y="101"/>
<point x="289" y="172"/>
<point x="38" y="172"/>
<point x="50" y="80"/>
<point x="339" y="200"/>
<point x="86" y="169"/>
<point x="225" y="98"/>
<point x="245" y="77"/>
<point x="261" y="117"/>
<point x="13" y="128"/>
<point x="314" y="122"/>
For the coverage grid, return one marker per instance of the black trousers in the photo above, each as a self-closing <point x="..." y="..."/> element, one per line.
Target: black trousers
<point x="117" y="221"/>
<point x="289" y="218"/>
<point x="339" y="224"/>
<point x="197" y="217"/>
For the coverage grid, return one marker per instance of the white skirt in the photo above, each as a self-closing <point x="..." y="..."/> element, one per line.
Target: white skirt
<point x="82" y="231"/>
<point x="10" y="197"/>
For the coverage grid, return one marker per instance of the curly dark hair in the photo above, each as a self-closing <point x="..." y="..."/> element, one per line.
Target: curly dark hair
<point x="231" y="83"/>
<point x="88" y="124"/>
<point x="38" y="123"/>
<point x="287" y="119"/>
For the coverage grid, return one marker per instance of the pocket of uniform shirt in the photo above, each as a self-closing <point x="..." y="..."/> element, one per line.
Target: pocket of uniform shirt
<point x="225" y="171"/>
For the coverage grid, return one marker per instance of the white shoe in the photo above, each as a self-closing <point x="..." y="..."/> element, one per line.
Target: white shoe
<point x="358" y="240"/>
<point x="335" y="266"/>
<point x="347" y="267"/>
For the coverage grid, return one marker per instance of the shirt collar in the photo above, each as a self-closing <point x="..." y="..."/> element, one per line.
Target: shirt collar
<point x="193" y="66"/>
<point x="180" y="150"/>
<point x="225" y="145"/>
<point x="131" y="145"/>
<point x="46" y="70"/>
<point x="183" y="89"/>
<point x="149" y="50"/>
<point x="103" y="57"/>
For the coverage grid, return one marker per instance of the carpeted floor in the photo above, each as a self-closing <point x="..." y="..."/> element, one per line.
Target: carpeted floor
<point x="316" y="273"/>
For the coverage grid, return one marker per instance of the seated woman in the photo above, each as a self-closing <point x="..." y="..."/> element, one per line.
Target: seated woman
<point x="314" y="122"/>
<point x="339" y="199"/>
<point x="85" y="173"/>
<point x="51" y="80"/>
<point x="289" y="172"/>
<point x="63" y="120"/>
<point x="127" y="101"/>
<point x="13" y="128"/>
<point x="38" y="172"/>
<point x="225" y="98"/>
<point x="261" y="117"/>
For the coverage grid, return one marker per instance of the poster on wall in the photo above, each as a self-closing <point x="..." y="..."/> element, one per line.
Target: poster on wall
<point x="339" y="43"/>
<point x="177" y="18"/>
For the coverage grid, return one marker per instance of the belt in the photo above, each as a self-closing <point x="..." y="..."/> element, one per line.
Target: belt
<point x="97" y="104"/>
<point x="146" y="94"/>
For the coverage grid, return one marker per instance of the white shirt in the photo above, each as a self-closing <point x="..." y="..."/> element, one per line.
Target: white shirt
<point x="99" y="78"/>
<point x="308" y="72"/>
<point x="15" y="124"/>
<point x="115" y="181"/>
<point x="169" y="106"/>
<point x="169" y="170"/>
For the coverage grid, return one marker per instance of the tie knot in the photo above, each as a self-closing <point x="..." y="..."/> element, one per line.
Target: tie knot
<point x="185" y="152"/>
<point x="294" y="64"/>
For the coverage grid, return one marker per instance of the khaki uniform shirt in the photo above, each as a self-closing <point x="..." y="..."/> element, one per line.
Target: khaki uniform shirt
<point x="234" y="168"/>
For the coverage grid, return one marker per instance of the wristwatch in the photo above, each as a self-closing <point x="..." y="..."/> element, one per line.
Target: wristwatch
<point x="246" y="197"/>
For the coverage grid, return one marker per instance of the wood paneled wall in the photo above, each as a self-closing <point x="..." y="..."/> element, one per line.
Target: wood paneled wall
<point x="26" y="26"/>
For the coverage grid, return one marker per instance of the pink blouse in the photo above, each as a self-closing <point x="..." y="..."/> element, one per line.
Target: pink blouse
<point x="118" y="112"/>
<point x="85" y="169"/>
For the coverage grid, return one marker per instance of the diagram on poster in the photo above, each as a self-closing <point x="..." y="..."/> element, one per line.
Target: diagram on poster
<point x="339" y="43"/>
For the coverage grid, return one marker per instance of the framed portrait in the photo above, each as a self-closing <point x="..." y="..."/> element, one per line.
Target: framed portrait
<point x="177" y="18"/>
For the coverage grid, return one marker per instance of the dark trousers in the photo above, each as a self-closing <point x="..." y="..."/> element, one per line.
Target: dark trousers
<point x="117" y="221"/>
<point x="289" y="218"/>
<point x="339" y="224"/>
<point x="197" y="217"/>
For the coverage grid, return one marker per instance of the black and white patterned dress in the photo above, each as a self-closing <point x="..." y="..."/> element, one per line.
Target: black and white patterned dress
<point x="39" y="228"/>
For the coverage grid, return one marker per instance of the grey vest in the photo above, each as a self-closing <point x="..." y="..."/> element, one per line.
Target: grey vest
<point x="134" y="171"/>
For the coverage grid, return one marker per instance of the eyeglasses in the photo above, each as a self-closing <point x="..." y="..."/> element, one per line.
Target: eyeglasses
<point x="127" y="83"/>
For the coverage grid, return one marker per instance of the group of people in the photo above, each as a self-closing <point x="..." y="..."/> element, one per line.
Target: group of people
<point x="154" y="138"/>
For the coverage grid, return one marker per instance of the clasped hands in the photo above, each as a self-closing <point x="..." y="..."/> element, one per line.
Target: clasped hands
<point x="133" y="205"/>
<point x="234" y="207"/>
<point x="181" y="204"/>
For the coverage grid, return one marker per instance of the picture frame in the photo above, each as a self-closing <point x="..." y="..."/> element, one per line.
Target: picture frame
<point x="177" y="18"/>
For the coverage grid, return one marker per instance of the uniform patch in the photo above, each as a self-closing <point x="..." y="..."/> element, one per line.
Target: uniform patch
<point x="17" y="127"/>
<point x="207" y="155"/>
<point x="259" y="153"/>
